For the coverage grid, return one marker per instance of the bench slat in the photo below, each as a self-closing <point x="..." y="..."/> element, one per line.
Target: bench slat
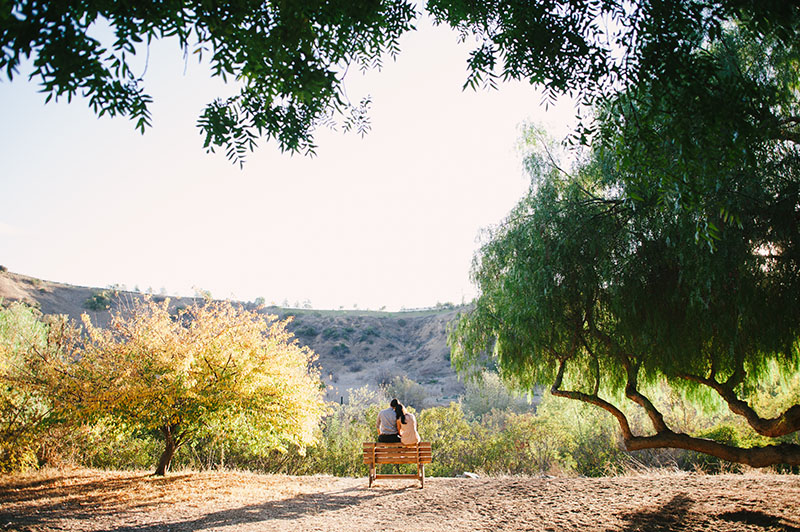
<point x="409" y="452"/>
<point x="388" y="456"/>
<point x="397" y="456"/>
<point x="395" y="444"/>
<point x="395" y="447"/>
<point x="401" y="461"/>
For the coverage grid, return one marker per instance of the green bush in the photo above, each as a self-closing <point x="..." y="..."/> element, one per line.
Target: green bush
<point x="98" y="301"/>
<point x="368" y="333"/>
<point x="487" y="392"/>
<point x="305" y="331"/>
<point x="407" y="391"/>
<point x="335" y="333"/>
<point x="340" y="349"/>
<point x="726" y="434"/>
<point x="343" y="432"/>
<point x="452" y="440"/>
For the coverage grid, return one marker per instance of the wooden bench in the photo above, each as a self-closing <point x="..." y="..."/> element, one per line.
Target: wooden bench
<point x="397" y="453"/>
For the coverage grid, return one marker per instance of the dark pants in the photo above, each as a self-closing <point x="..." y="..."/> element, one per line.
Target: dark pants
<point x="389" y="438"/>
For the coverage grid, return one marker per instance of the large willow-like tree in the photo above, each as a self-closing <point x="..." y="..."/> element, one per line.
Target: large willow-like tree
<point x="599" y="288"/>
<point x="584" y="293"/>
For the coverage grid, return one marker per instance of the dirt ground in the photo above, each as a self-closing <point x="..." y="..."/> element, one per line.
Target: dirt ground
<point x="86" y="500"/>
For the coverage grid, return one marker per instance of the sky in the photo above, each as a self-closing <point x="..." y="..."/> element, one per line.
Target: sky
<point x="391" y="220"/>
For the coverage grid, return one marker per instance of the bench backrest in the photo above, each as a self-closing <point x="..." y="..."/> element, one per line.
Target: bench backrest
<point x="397" y="453"/>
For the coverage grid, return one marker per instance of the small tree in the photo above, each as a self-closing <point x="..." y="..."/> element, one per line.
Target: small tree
<point x="214" y="364"/>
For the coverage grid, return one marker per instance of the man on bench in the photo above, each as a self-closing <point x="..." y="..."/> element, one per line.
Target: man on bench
<point x="387" y="424"/>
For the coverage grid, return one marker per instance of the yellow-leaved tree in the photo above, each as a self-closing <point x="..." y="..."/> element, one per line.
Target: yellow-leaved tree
<point x="213" y="364"/>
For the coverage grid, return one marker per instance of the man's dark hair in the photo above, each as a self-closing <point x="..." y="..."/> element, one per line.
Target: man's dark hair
<point x="394" y="403"/>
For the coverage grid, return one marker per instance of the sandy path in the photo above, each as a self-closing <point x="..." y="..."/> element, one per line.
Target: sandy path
<point x="230" y="501"/>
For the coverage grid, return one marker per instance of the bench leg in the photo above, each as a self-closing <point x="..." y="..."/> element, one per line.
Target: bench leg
<point x="421" y="470"/>
<point x="371" y="475"/>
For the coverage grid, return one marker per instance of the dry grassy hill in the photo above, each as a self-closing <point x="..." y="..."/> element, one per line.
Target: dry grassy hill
<point x="355" y="348"/>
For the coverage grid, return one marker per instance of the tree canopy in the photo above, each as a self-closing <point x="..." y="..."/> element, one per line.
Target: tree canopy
<point x="291" y="58"/>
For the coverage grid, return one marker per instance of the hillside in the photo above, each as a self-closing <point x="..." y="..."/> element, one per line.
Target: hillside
<point x="355" y="348"/>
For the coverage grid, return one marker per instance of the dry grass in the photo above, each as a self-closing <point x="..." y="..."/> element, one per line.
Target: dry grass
<point x="87" y="500"/>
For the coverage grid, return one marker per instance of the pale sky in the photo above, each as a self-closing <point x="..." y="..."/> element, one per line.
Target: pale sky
<point x="391" y="219"/>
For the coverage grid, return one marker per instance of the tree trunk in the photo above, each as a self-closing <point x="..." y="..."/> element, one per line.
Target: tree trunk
<point x="770" y="455"/>
<point x="170" y="446"/>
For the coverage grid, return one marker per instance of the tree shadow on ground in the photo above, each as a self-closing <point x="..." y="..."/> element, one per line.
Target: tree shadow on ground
<point x="43" y="500"/>
<point x="675" y="516"/>
<point x="284" y="510"/>
<point x="764" y="520"/>
<point x="23" y="490"/>
<point x="106" y="497"/>
<point x="672" y="516"/>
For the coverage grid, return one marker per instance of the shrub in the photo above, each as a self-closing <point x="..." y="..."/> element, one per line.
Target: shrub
<point x="368" y="333"/>
<point x="723" y="433"/>
<point x="451" y="437"/>
<point x="305" y="331"/>
<point x="99" y="301"/>
<point x="343" y="432"/>
<point x="407" y="391"/>
<point x="354" y="365"/>
<point x="331" y="333"/>
<point x="340" y="349"/>
<point x="488" y="392"/>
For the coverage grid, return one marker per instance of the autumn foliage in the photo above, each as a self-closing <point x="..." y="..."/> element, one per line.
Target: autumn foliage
<point x="212" y="365"/>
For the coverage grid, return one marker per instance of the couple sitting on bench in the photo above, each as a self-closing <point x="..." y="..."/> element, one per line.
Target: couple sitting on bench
<point x="398" y="443"/>
<point x="396" y="425"/>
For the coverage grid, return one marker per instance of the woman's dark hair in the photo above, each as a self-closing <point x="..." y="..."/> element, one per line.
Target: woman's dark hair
<point x="398" y="410"/>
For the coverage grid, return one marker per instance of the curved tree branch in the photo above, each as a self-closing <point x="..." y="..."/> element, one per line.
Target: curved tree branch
<point x="786" y="423"/>
<point x="594" y="399"/>
<point x="632" y="392"/>
<point x="755" y="457"/>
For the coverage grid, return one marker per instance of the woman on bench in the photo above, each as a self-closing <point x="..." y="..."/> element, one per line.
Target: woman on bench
<point x="406" y="425"/>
